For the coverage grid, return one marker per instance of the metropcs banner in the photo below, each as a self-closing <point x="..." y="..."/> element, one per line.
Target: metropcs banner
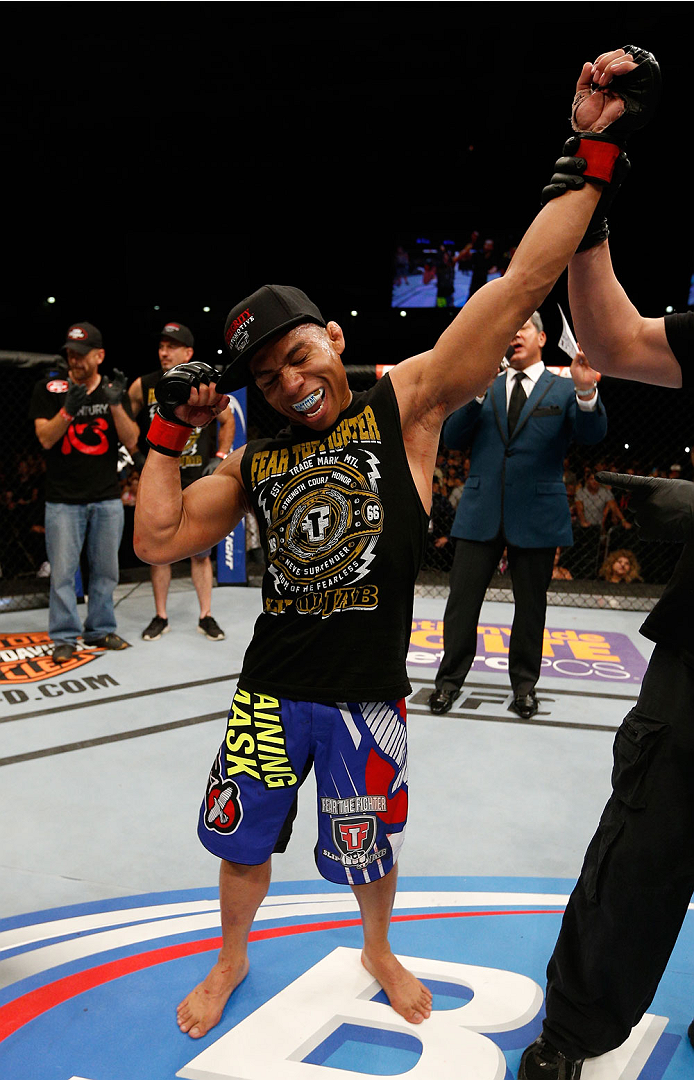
<point x="231" y="551"/>
<point x="569" y="654"/>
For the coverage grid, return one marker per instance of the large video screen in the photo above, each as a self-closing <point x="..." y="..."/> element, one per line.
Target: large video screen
<point x="432" y="271"/>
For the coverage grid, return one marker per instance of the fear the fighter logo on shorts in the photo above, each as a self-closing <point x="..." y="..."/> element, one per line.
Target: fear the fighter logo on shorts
<point x="323" y="518"/>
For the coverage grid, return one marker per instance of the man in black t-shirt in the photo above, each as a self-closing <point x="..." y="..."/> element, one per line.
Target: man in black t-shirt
<point x="334" y="527"/>
<point x="79" y="422"/>
<point x="198" y="458"/>
<point x="625" y="914"/>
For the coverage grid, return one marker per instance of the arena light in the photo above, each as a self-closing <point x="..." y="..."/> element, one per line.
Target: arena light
<point x="626" y="445"/>
<point x="353" y="313"/>
<point x="206" y="308"/>
<point x="669" y="309"/>
<point x="156" y="307"/>
<point x="687" y="449"/>
<point x="403" y="313"/>
<point x="50" y="299"/>
<point x="219" y="352"/>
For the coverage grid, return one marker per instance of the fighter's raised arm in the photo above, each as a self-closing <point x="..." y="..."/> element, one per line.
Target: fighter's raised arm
<point x="170" y="523"/>
<point x="464" y="358"/>
<point x="616" y="337"/>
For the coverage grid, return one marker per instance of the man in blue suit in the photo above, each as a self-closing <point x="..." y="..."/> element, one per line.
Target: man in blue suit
<point x="514" y="498"/>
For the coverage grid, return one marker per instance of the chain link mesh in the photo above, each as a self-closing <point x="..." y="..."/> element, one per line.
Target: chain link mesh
<point x="649" y="430"/>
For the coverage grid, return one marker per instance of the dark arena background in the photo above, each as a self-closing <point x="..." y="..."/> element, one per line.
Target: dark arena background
<point x="160" y="162"/>
<point x="164" y="173"/>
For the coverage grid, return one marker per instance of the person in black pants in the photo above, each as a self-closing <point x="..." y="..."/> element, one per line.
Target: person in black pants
<point x="624" y="915"/>
<point x="514" y="498"/>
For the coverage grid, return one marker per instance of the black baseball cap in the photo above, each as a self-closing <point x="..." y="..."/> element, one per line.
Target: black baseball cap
<point x="268" y="311"/>
<point x="82" y="337"/>
<point x="179" y="333"/>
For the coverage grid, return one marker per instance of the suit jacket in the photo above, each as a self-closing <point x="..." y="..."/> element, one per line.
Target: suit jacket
<point x="516" y="484"/>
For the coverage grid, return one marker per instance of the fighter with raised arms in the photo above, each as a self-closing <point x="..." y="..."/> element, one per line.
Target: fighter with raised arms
<point x="342" y="498"/>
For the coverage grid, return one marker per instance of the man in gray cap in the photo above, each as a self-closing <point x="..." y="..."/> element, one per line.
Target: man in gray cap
<point x="342" y="499"/>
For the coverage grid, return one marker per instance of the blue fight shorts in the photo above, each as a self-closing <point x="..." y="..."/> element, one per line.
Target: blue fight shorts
<point x="360" y="760"/>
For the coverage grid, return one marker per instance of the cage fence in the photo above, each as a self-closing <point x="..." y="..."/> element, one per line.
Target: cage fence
<point x="608" y="565"/>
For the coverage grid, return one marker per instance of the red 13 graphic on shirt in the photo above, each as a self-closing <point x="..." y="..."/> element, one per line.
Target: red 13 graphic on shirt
<point x="94" y="441"/>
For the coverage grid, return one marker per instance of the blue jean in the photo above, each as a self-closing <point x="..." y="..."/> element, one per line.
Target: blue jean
<point x="67" y="525"/>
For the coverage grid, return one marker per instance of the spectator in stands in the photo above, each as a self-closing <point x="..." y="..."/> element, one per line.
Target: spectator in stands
<point x="559" y="572"/>
<point x="595" y="504"/>
<point x="620" y="567"/>
<point x="454" y="485"/>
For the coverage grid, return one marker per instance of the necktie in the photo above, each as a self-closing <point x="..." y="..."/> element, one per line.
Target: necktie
<point x="517" y="401"/>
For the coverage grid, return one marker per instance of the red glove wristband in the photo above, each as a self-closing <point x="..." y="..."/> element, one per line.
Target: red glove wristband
<point x="66" y="415"/>
<point x="600" y="157"/>
<point x="166" y="437"/>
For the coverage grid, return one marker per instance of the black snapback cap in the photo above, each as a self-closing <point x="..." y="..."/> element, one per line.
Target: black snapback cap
<point x="270" y="310"/>
<point x="179" y="333"/>
<point x="82" y="338"/>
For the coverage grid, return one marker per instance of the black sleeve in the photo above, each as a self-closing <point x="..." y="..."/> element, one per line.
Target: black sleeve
<point x="679" y="330"/>
<point x="43" y="404"/>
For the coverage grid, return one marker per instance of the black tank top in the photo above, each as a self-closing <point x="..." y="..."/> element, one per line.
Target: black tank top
<point x="343" y="530"/>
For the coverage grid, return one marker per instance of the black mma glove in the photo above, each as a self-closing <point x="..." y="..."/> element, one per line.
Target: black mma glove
<point x="114" y="391"/>
<point x="583" y="159"/>
<point x="76" y="397"/>
<point x="175" y="385"/>
<point x="569" y="175"/>
<point x="664" y="508"/>
<point x="167" y="433"/>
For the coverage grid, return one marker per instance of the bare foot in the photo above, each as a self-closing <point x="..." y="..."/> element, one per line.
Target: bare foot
<point x="203" y="1008"/>
<point x="406" y="994"/>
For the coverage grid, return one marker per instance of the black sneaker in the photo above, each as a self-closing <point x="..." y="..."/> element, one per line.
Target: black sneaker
<point x="64" y="652"/>
<point x="541" y="1061"/>
<point x="690" y="1032"/>
<point x="210" y="629"/>
<point x="156" y="628"/>
<point x="108" y="641"/>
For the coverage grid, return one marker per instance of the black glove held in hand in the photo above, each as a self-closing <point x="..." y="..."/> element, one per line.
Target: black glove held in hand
<point x="114" y="390"/>
<point x="664" y="508"/>
<point x="175" y="385"/>
<point x="75" y="398"/>
<point x="568" y="175"/>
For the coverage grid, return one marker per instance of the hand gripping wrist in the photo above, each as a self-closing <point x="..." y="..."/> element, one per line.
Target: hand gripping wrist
<point x="167" y="434"/>
<point x="593" y="158"/>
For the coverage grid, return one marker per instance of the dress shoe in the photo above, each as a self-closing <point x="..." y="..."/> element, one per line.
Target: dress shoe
<point x="441" y="701"/>
<point x="541" y="1061"/>
<point x="690" y="1032"/>
<point x="64" y="652"/>
<point x="526" y="705"/>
